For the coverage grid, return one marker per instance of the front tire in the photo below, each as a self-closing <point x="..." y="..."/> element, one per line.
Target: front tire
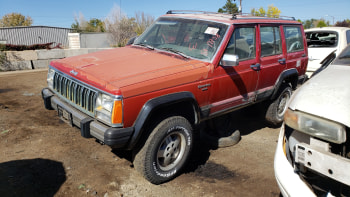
<point x="275" y="111"/>
<point x="166" y="150"/>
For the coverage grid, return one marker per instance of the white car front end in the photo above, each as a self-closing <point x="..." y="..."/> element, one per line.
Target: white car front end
<point x="288" y="181"/>
<point x="313" y="152"/>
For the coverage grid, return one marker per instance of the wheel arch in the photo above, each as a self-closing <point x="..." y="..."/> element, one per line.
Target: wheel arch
<point x="180" y="103"/>
<point x="289" y="76"/>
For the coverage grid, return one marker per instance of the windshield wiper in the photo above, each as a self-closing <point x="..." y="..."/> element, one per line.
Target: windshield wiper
<point x="176" y="52"/>
<point x="145" y="45"/>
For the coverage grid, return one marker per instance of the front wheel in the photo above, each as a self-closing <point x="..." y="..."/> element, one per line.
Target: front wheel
<point x="166" y="150"/>
<point x="278" y="107"/>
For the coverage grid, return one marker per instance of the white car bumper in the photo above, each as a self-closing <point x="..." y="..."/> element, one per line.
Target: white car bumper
<point x="289" y="182"/>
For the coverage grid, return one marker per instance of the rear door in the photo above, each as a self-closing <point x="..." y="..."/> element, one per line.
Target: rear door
<point x="296" y="48"/>
<point x="272" y="58"/>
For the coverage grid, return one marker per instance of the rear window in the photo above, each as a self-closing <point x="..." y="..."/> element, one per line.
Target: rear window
<point x="322" y="39"/>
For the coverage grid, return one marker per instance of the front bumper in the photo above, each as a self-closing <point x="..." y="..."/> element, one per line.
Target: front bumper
<point x="288" y="181"/>
<point x="89" y="127"/>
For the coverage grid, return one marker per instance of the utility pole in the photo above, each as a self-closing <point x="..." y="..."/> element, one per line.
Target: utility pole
<point x="240" y="7"/>
<point x="332" y="17"/>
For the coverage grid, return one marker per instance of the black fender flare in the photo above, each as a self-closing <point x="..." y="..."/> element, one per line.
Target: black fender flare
<point x="290" y="75"/>
<point x="159" y="102"/>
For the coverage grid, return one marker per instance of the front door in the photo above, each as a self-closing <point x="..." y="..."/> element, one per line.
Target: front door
<point x="234" y="86"/>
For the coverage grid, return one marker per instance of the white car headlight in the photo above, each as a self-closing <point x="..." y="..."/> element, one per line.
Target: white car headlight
<point x="109" y="109"/>
<point x="315" y="126"/>
<point x="50" y="76"/>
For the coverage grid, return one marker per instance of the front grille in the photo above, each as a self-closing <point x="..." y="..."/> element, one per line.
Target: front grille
<point x="75" y="92"/>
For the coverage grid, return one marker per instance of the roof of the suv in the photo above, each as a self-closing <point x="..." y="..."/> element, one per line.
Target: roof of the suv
<point x="229" y="18"/>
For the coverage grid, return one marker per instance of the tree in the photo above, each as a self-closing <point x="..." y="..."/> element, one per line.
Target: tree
<point x="321" y="23"/>
<point x="344" y="23"/>
<point x="93" y="25"/>
<point x="15" y="19"/>
<point x="142" y="22"/>
<point x="260" y="12"/>
<point x="272" y="12"/>
<point x="80" y="23"/>
<point x="229" y="7"/>
<point x="122" y="28"/>
<point x="309" y="23"/>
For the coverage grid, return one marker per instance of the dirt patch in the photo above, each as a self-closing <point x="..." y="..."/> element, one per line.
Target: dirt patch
<point x="42" y="156"/>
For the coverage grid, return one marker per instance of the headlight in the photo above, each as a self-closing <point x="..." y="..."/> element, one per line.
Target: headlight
<point x="315" y="126"/>
<point x="50" y="76"/>
<point x="109" y="109"/>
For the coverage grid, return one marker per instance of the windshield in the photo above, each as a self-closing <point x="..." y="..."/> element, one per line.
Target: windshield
<point x="187" y="37"/>
<point x="322" y="39"/>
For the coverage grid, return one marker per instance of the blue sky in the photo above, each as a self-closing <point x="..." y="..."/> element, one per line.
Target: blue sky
<point x="61" y="13"/>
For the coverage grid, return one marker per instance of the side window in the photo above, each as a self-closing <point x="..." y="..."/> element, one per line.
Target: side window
<point x="294" y="38"/>
<point x="348" y="36"/>
<point x="242" y="43"/>
<point x="271" y="43"/>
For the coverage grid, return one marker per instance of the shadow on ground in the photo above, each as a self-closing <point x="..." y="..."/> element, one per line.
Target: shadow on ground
<point x="32" y="177"/>
<point x="246" y="120"/>
<point x="5" y="90"/>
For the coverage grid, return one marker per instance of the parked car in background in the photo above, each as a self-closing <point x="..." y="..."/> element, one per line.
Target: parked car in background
<point x="323" y="41"/>
<point x="313" y="150"/>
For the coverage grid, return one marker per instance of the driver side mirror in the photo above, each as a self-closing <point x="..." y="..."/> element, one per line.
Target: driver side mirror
<point x="229" y="60"/>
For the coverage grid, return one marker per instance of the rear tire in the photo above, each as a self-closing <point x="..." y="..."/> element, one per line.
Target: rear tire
<point x="276" y="109"/>
<point x="166" y="150"/>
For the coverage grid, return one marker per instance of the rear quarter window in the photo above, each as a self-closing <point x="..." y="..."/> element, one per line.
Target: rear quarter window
<point x="348" y="36"/>
<point x="294" y="38"/>
<point x="344" y="57"/>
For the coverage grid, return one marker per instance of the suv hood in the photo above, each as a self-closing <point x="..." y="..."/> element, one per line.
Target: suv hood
<point x="326" y="95"/>
<point x="132" y="70"/>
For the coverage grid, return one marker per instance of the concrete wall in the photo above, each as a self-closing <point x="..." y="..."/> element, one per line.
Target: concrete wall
<point x="94" y="40"/>
<point x="38" y="59"/>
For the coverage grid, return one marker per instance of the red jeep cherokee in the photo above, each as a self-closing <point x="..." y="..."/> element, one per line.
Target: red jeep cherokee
<point x="186" y="68"/>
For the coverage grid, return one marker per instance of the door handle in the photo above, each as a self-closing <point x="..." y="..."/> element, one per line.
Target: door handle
<point x="255" y="67"/>
<point x="282" y="61"/>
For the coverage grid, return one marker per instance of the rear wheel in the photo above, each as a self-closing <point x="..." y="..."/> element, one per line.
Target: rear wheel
<point x="166" y="150"/>
<point x="278" y="107"/>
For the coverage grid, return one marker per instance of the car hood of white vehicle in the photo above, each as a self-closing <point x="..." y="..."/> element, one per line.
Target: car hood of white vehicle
<point x="326" y="95"/>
